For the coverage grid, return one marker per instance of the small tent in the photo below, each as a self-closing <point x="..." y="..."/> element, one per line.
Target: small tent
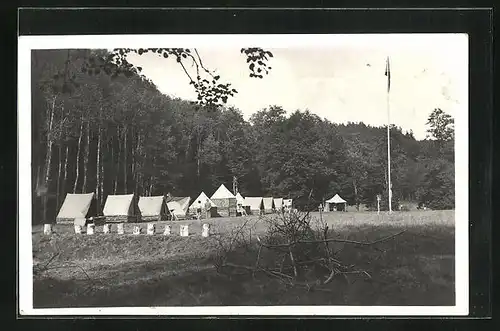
<point x="335" y="203"/>
<point x="278" y="204"/>
<point x="178" y="206"/>
<point x="203" y="198"/>
<point x="121" y="208"/>
<point x="153" y="208"/>
<point x="255" y="204"/>
<point x="268" y="205"/>
<point x="225" y="202"/>
<point x="77" y="208"/>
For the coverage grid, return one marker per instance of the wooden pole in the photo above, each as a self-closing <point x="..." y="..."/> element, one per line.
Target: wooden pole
<point x="388" y="73"/>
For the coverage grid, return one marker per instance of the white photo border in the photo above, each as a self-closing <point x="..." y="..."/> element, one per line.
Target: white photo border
<point x="25" y="271"/>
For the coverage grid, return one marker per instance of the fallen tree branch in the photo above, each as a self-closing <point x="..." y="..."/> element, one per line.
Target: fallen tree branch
<point x="292" y="259"/>
<point x="357" y="272"/>
<point x="330" y="277"/>
<point x="330" y="240"/>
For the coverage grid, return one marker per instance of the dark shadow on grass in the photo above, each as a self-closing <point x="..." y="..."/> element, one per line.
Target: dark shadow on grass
<point x="415" y="268"/>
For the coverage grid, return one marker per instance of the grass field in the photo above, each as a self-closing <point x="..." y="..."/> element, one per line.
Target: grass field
<point x="103" y="270"/>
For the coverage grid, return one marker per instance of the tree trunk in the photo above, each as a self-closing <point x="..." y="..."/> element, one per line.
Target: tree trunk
<point x="59" y="169"/>
<point x="101" y="184"/>
<point x="112" y="149"/>
<point x="36" y="201"/>
<point x="115" y="189"/>
<point x="48" y="159"/>
<point x="86" y="159"/>
<point x="356" y="198"/>
<point x="136" y="161"/>
<point x="78" y="157"/>
<point x="144" y="185"/>
<point x="125" y="166"/>
<point x="98" y="166"/>
<point x="151" y="185"/>
<point x="198" y="166"/>
<point x="198" y="152"/>
<point x="65" y="170"/>
<point x="134" y="139"/>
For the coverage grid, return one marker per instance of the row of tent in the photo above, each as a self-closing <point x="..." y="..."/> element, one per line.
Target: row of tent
<point x="228" y="204"/>
<point x="127" y="208"/>
<point x="122" y="208"/>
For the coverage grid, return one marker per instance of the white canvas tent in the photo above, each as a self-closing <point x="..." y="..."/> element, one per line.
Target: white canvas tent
<point x="225" y="201"/>
<point x="268" y="204"/>
<point x="222" y="193"/>
<point x="120" y="208"/>
<point x="331" y="204"/>
<point x="278" y="204"/>
<point x="202" y="198"/>
<point x="76" y="207"/>
<point x="256" y="205"/>
<point x="153" y="208"/>
<point x="178" y="206"/>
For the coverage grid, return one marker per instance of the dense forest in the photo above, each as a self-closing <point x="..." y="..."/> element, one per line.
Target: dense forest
<point x="116" y="134"/>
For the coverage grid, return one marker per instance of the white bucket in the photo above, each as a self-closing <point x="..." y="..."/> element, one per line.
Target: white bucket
<point x="184" y="231"/>
<point x="90" y="228"/>
<point x="78" y="229"/>
<point x="121" y="230"/>
<point x="151" y="229"/>
<point x="168" y="230"/>
<point x="137" y="230"/>
<point x="106" y="228"/>
<point x="206" y="230"/>
<point x="47" y="229"/>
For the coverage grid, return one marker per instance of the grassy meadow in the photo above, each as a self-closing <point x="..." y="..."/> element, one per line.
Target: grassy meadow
<point x="106" y="270"/>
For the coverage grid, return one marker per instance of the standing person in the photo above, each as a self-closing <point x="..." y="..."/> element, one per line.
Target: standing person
<point x="208" y="207"/>
<point x="174" y="217"/>
<point x="198" y="211"/>
<point x="242" y="209"/>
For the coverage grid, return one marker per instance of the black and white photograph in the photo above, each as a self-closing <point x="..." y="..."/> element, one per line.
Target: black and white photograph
<point x="244" y="174"/>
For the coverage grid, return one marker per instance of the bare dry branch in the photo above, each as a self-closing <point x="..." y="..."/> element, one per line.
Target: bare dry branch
<point x="333" y="240"/>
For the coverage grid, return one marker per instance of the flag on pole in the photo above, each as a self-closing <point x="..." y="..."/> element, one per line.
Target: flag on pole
<point x="388" y="74"/>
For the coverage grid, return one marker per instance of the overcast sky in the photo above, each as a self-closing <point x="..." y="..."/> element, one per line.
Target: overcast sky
<point x="340" y="83"/>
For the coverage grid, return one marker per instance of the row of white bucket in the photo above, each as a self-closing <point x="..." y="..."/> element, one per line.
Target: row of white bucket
<point x="151" y="229"/>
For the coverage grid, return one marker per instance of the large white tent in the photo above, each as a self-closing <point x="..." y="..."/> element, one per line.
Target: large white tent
<point x="255" y="204"/>
<point x="120" y="208"/>
<point x="222" y="193"/>
<point x="225" y="201"/>
<point x="178" y="206"/>
<point x="153" y="208"/>
<point x="200" y="202"/>
<point x="333" y="202"/>
<point x="268" y="204"/>
<point x="278" y="204"/>
<point x="76" y="207"/>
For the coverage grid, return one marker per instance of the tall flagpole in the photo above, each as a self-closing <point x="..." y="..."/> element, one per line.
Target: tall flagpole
<point x="388" y="74"/>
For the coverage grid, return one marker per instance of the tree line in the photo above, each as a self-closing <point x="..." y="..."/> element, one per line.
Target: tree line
<point x="117" y="134"/>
